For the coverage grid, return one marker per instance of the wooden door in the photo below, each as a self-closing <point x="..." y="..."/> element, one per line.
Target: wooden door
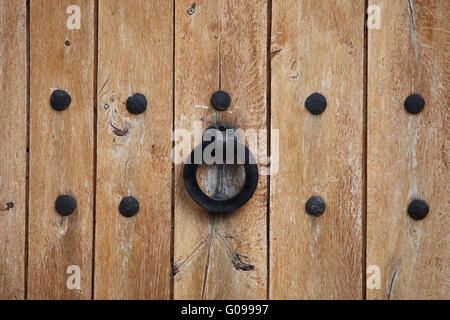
<point x="220" y="45"/>
<point x="133" y="150"/>
<point x="344" y="104"/>
<point x="407" y="154"/>
<point x="61" y="150"/>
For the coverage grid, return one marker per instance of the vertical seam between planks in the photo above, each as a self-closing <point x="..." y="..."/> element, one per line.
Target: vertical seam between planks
<point x="364" y="152"/>
<point x="269" y="128"/>
<point x="27" y="165"/>
<point x="94" y="174"/>
<point x="172" y="191"/>
<point x="219" y="50"/>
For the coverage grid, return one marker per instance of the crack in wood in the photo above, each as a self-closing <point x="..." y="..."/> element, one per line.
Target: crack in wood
<point x="236" y="258"/>
<point x="393" y="278"/>
<point x="414" y="29"/>
<point x="125" y="173"/>
<point x="205" y="276"/>
<point x="275" y="51"/>
<point x="177" y="267"/>
<point x="120" y="132"/>
<point x="104" y="85"/>
<point x="241" y="265"/>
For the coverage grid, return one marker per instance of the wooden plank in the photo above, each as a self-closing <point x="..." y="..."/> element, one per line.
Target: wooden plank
<point x="134" y="151"/>
<point x="317" y="48"/>
<point x="13" y="144"/>
<point x="408" y="154"/>
<point x="220" y="45"/>
<point x="61" y="150"/>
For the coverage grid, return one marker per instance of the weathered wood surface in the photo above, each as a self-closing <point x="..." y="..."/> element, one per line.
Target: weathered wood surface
<point x="408" y="154"/>
<point x="220" y="45"/>
<point x="310" y="257"/>
<point x="13" y="144"/>
<point x="270" y="56"/>
<point x="61" y="149"/>
<point x="132" y="259"/>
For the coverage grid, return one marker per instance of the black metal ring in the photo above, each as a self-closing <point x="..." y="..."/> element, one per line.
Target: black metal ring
<point x="216" y="205"/>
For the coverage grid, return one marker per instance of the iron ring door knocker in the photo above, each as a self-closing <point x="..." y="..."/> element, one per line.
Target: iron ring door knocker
<point x="242" y="155"/>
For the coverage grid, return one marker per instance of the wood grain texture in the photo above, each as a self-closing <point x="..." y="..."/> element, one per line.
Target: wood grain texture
<point x="134" y="151"/>
<point x="408" y="154"/>
<point x="61" y="149"/>
<point x="13" y="144"/>
<point x="220" y="45"/>
<point x="317" y="47"/>
<point x="100" y="153"/>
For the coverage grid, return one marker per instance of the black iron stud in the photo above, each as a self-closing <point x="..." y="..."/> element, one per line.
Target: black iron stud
<point x="316" y="103"/>
<point x="414" y="103"/>
<point x="60" y="100"/>
<point x="137" y="103"/>
<point x="221" y="100"/>
<point x="129" y="206"/>
<point x="65" y="205"/>
<point x="418" y="209"/>
<point x="315" y="206"/>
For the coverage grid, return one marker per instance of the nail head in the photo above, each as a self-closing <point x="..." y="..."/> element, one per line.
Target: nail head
<point x="315" y="206"/>
<point x="65" y="205"/>
<point x="418" y="209"/>
<point x="221" y="100"/>
<point x="415" y="103"/>
<point x="60" y="100"/>
<point x="137" y="103"/>
<point x="316" y="103"/>
<point x="129" y="206"/>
